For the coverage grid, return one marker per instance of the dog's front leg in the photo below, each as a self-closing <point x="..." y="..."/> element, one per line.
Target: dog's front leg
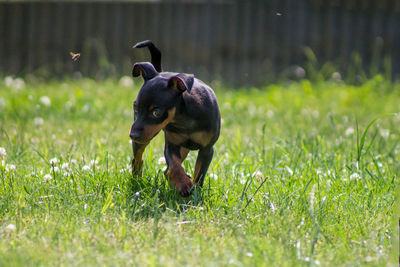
<point x="174" y="155"/>
<point x="137" y="160"/>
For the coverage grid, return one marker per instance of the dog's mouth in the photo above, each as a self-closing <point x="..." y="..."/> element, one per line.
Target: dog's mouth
<point x="139" y="141"/>
<point x="144" y="140"/>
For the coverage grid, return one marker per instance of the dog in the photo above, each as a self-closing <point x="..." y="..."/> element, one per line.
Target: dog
<point x="185" y="108"/>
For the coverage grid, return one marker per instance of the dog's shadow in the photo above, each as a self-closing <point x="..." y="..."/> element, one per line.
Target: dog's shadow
<point x="150" y="196"/>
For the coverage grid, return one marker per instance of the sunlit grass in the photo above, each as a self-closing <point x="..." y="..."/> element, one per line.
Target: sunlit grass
<point x="292" y="181"/>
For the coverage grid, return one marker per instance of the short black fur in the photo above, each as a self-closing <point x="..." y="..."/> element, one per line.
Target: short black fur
<point x="185" y="108"/>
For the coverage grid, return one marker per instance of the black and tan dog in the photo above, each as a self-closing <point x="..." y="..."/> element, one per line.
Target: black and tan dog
<point x="186" y="110"/>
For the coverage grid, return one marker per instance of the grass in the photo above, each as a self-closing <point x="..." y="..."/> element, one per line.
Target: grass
<point x="302" y="175"/>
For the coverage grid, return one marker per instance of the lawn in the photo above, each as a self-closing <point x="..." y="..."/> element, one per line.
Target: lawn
<point x="303" y="174"/>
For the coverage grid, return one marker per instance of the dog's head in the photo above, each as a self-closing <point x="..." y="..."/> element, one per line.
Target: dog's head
<point x="155" y="105"/>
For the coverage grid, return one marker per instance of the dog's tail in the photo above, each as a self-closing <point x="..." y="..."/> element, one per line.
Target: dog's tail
<point x="154" y="51"/>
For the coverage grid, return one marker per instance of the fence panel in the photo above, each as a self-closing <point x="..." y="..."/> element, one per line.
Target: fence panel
<point x="240" y="42"/>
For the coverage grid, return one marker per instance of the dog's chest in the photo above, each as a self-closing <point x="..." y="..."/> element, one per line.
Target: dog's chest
<point x="193" y="140"/>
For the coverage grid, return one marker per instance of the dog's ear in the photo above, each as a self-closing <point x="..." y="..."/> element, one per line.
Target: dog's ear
<point x="144" y="69"/>
<point x="181" y="82"/>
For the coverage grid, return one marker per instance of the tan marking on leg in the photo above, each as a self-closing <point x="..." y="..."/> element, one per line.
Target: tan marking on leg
<point x="137" y="159"/>
<point x="196" y="175"/>
<point x="178" y="177"/>
<point x="184" y="152"/>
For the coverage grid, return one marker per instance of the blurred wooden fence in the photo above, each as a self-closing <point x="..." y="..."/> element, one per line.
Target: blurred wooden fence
<point x="240" y="42"/>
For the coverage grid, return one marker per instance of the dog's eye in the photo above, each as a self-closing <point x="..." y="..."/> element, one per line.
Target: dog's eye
<point x="156" y="113"/>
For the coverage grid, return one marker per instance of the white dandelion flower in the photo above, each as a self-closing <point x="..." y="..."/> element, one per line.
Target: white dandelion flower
<point x="2" y="103"/>
<point x="65" y="166"/>
<point x="18" y="83"/>
<point x="354" y="176"/>
<point x="10" y="228"/>
<point x="8" y="81"/>
<point x="54" y="169"/>
<point x="93" y="162"/>
<point x="86" y="108"/>
<point x="213" y="176"/>
<point x="161" y="161"/>
<point x="38" y="121"/>
<point x="54" y="161"/>
<point x="126" y="81"/>
<point x="257" y="175"/>
<point x="336" y="76"/>
<point x="349" y="131"/>
<point x="47" y="178"/>
<point x="3" y="153"/>
<point x="10" y="167"/>
<point x="45" y="100"/>
<point x="86" y="168"/>
<point x="384" y="133"/>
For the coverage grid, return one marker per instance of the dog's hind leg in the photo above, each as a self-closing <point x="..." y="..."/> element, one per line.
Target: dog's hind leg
<point x="202" y="163"/>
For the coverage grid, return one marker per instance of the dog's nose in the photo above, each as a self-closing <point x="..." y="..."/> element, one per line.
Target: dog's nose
<point x="134" y="134"/>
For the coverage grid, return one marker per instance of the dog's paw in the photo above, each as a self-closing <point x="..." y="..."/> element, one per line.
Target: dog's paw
<point x="185" y="187"/>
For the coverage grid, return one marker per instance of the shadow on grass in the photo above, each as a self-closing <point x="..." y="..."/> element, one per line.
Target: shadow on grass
<point x="149" y="196"/>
